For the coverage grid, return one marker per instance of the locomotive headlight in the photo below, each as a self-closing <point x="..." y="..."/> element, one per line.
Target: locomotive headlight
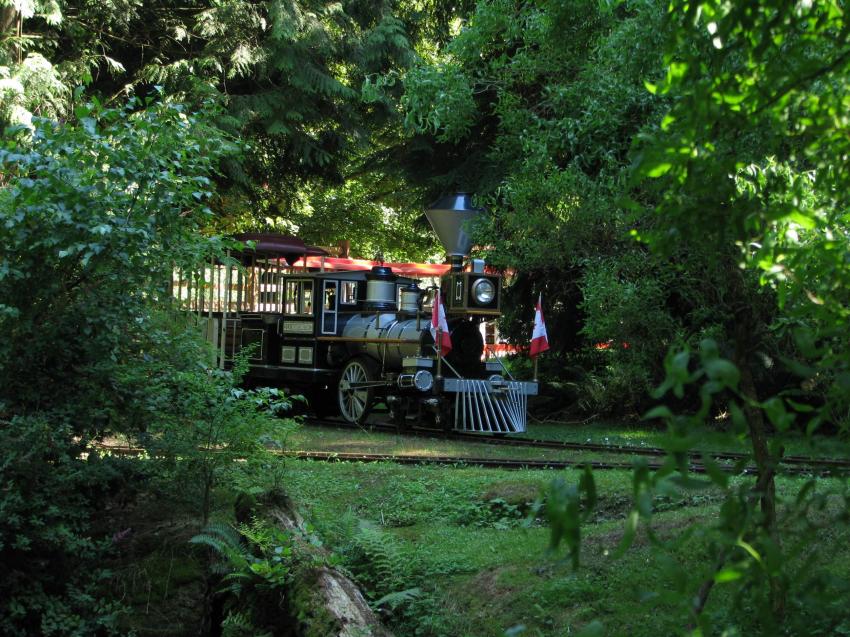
<point x="423" y="380"/>
<point x="483" y="291"/>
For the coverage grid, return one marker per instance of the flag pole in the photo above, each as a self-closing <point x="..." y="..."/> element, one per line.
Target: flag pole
<point x="439" y="345"/>
<point x="539" y="340"/>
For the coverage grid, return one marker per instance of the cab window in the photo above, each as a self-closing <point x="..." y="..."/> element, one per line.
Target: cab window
<point x="348" y="293"/>
<point x="299" y="298"/>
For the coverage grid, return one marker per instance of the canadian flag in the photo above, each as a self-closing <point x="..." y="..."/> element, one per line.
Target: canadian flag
<point x="539" y="340"/>
<point x="438" y="322"/>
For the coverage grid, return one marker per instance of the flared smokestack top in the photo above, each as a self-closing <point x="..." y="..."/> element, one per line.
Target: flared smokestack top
<point x="449" y="216"/>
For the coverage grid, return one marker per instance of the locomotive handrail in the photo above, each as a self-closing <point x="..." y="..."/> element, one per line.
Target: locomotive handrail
<point x="363" y="339"/>
<point x="505" y="369"/>
<point x="443" y="358"/>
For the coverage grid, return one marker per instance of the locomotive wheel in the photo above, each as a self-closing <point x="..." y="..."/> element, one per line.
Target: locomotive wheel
<point x="356" y="403"/>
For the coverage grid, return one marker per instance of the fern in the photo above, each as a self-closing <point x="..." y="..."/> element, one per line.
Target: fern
<point x="240" y="624"/>
<point x="223" y="539"/>
<point x="384" y="563"/>
<point x="236" y="624"/>
<point x="226" y="543"/>
<point x="399" y="598"/>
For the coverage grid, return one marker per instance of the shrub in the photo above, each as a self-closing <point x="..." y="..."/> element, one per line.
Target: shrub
<point x="50" y="581"/>
<point x="94" y="213"/>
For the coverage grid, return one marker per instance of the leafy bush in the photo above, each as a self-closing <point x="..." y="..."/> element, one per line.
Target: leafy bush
<point x="94" y="214"/>
<point x="217" y="424"/>
<point x="50" y="581"/>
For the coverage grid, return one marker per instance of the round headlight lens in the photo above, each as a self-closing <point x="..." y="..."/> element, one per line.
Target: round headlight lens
<point x="484" y="291"/>
<point x="423" y="380"/>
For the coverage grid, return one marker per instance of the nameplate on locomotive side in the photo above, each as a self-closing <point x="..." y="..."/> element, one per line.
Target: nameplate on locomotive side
<point x="298" y="327"/>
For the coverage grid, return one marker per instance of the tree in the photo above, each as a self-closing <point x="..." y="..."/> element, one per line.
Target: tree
<point x="713" y="134"/>
<point x="750" y="158"/>
<point x="94" y="214"/>
<point x="535" y="107"/>
<point x="290" y="73"/>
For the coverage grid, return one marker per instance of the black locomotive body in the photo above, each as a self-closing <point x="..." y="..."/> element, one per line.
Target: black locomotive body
<point x="349" y="340"/>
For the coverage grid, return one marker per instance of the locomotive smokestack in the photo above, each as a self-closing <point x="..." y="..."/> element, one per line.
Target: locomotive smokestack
<point x="448" y="216"/>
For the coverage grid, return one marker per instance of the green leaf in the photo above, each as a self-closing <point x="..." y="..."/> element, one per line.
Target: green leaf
<point x="739" y="420"/>
<point x="724" y="371"/>
<point x="728" y="574"/>
<point x="714" y="471"/>
<point x="805" y="339"/>
<point x="777" y="414"/>
<point x="629" y="532"/>
<point x="661" y="411"/>
<point x="749" y="549"/>
<point x="658" y="169"/>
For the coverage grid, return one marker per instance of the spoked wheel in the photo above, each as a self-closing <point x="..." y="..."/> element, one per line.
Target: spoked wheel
<point x="355" y="403"/>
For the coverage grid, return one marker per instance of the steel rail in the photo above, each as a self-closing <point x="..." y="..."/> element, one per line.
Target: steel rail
<point x="520" y="463"/>
<point x="641" y="451"/>
<point x="731" y="456"/>
<point x="495" y="463"/>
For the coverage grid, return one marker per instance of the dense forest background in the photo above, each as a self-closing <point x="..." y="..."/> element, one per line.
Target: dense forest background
<point x="673" y="179"/>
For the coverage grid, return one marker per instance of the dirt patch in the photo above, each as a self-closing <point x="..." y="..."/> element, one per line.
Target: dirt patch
<point x="515" y="493"/>
<point x="486" y="583"/>
<point x="663" y="529"/>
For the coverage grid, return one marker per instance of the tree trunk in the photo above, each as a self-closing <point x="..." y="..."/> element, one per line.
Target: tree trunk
<point x="746" y="338"/>
<point x="8" y="18"/>
<point x="327" y="603"/>
<point x="10" y="21"/>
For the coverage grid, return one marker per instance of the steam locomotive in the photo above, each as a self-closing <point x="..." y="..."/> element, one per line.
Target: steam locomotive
<point x="351" y="339"/>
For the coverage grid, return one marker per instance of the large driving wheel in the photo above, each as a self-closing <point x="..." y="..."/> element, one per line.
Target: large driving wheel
<point x="355" y="402"/>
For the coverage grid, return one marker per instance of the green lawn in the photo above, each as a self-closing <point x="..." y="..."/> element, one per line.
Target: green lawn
<point x="641" y="434"/>
<point x="349" y="440"/>
<point x="459" y="536"/>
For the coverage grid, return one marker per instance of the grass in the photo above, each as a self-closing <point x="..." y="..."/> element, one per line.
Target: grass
<point x="351" y="440"/>
<point x="641" y="434"/>
<point x="348" y="440"/>
<point x="461" y="540"/>
<point x="460" y="536"/>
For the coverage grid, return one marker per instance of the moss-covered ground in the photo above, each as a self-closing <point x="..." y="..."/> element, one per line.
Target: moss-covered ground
<point x="160" y="577"/>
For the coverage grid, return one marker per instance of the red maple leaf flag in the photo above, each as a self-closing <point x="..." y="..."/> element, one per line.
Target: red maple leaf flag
<point x="438" y="322"/>
<point x="539" y="340"/>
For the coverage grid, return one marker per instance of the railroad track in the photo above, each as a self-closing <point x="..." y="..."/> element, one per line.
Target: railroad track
<point x="503" y="463"/>
<point x="729" y="456"/>
<point x="512" y="463"/>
